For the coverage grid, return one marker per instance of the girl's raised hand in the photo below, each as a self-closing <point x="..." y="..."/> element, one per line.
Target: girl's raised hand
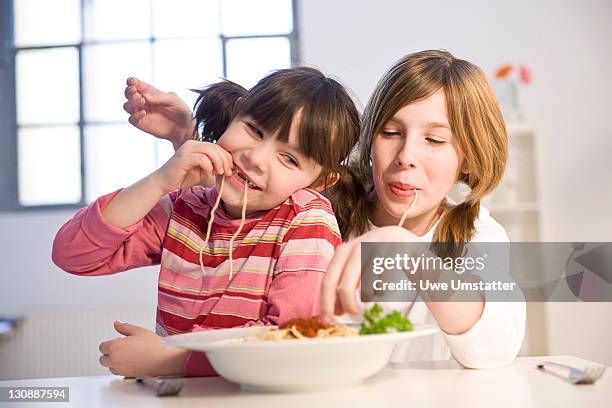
<point x="343" y="274"/>
<point x="161" y="114"/>
<point x="193" y="164"/>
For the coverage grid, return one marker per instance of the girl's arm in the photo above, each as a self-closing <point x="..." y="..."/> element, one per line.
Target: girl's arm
<point x="126" y="229"/>
<point x="88" y="245"/>
<point x="133" y="203"/>
<point x="479" y="334"/>
<point x="496" y="337"/>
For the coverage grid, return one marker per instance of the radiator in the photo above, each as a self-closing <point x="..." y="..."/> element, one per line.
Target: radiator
<point x="65" y="343"/>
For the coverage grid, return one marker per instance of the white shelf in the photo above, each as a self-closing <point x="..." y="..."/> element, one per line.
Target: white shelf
<point x="514" y="203"/>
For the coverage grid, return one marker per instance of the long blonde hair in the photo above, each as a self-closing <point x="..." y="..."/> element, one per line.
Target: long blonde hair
<point x="475" y="119"/>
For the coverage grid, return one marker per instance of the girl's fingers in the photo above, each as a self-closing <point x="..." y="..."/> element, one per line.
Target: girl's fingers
<point x="217" y="161"/>
<point x="156" y="97"/>
<point x="141" y="86"/>
<point x="226" y="159"/>
<point x="350" y="280"/>
<point x="133" y="103"/>
<point x="331" y="279"/>
<point x="139" y="114"/>
<point x="220" y="158"/>
<point x="213" y="162"/>
<point x="105" y="360"/>
<point x="135" y="118"/>
<point x="205" y="165"/>
<point x="229" y="161"/>
<point x="105" y="347"/>
<point x="129" y="91"/>
<point x="338" y="310"/>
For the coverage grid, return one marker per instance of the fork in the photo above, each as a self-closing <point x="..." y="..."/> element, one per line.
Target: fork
<point x="163" y="386"/>
<point x="575" y="376"/>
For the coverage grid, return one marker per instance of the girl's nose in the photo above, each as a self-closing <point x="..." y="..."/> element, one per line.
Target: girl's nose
<point x="257" y="157"/>
<point x="408" y="154"/>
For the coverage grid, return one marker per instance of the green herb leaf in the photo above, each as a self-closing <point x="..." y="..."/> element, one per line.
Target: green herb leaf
<point x="375" y="324"/>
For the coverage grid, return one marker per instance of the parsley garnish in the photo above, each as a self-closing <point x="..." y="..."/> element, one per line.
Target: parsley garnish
<point x="374" y="323"/>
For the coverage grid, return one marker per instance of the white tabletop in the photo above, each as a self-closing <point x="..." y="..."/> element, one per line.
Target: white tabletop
<point x="417" y="384"/>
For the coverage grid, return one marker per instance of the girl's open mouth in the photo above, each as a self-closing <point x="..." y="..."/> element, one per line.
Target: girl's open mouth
<point x="242" y="179"/>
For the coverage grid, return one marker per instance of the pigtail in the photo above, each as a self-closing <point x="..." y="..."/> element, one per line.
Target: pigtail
<point x="350" y="203"/>
<point x="456" y="228"/>
<point x="215" y="107"/>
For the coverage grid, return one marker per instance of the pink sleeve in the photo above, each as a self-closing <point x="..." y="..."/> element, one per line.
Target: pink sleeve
<point x="88" y="245"/>
<point x="197" y="365"/>
<point x="304" y="257"/>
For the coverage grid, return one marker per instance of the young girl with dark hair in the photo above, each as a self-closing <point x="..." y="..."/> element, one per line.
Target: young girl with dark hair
<point x="252" y="250"/>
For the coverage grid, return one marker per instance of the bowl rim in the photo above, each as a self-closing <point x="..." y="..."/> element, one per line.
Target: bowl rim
<point x="237" y="341"/>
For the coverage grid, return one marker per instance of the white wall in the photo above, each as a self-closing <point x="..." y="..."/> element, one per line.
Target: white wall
<point x="31" y="282"/>
<point x="565" y="42"/>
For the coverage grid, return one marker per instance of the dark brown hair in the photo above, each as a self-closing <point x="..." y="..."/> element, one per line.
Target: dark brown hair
<point x="475" y="119"/>
<point x="328" y="127"/>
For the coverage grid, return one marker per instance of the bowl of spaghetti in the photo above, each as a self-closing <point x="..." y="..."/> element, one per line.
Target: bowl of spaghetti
<point x="301" y="354"/>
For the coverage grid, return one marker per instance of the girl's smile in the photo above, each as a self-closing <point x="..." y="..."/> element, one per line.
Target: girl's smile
<point x="239" y="177"/>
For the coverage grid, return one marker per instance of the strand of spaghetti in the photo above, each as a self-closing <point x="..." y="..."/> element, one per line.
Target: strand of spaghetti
<point x="242" y="218"/>
<point x="210" y="221"/>
<point x="416" y="195"/>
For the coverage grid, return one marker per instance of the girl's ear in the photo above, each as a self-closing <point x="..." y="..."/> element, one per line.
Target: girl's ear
<point x="332" y="178"/>
<point x="465" y="169"/>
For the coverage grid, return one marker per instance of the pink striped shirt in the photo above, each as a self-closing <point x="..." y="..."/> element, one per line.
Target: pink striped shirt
<point x="278" y="260"/>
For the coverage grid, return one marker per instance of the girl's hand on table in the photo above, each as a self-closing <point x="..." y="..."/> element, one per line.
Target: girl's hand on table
<point x="140" y="353"/>
<point x="343" y="275"/>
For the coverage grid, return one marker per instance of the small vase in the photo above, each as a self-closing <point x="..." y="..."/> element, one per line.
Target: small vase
<point x="508" y="96"/>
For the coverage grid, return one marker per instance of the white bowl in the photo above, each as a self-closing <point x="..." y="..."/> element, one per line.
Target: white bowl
<point x="295" y="365"/>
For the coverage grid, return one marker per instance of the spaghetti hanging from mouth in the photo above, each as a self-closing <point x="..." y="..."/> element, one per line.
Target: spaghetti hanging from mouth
<point x="212" y="219"/>
<point x="210" y="222"/>
<point x="416" y="195"/>
<point x="242" y="218"/>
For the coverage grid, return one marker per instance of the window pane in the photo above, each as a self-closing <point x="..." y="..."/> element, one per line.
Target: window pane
<point x="106" y="69"/>
<point x="164" y="151"/>
<point x="47" y="22"/>
<point x="248" y="17"/>
<point x="47" y="86"/>
<point x="204" y="65"/>
<point x="116" y="156"/>
<point x="248" y="60"/>
<point x="185" y="18"/>
<point x="49" y="165"/>
<point x="117" y="19"/>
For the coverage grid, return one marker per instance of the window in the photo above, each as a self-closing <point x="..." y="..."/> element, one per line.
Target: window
<point x="64" y="63"/>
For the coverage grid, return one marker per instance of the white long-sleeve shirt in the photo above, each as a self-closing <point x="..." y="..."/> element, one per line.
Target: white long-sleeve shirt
<point x="493" y="341"/>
